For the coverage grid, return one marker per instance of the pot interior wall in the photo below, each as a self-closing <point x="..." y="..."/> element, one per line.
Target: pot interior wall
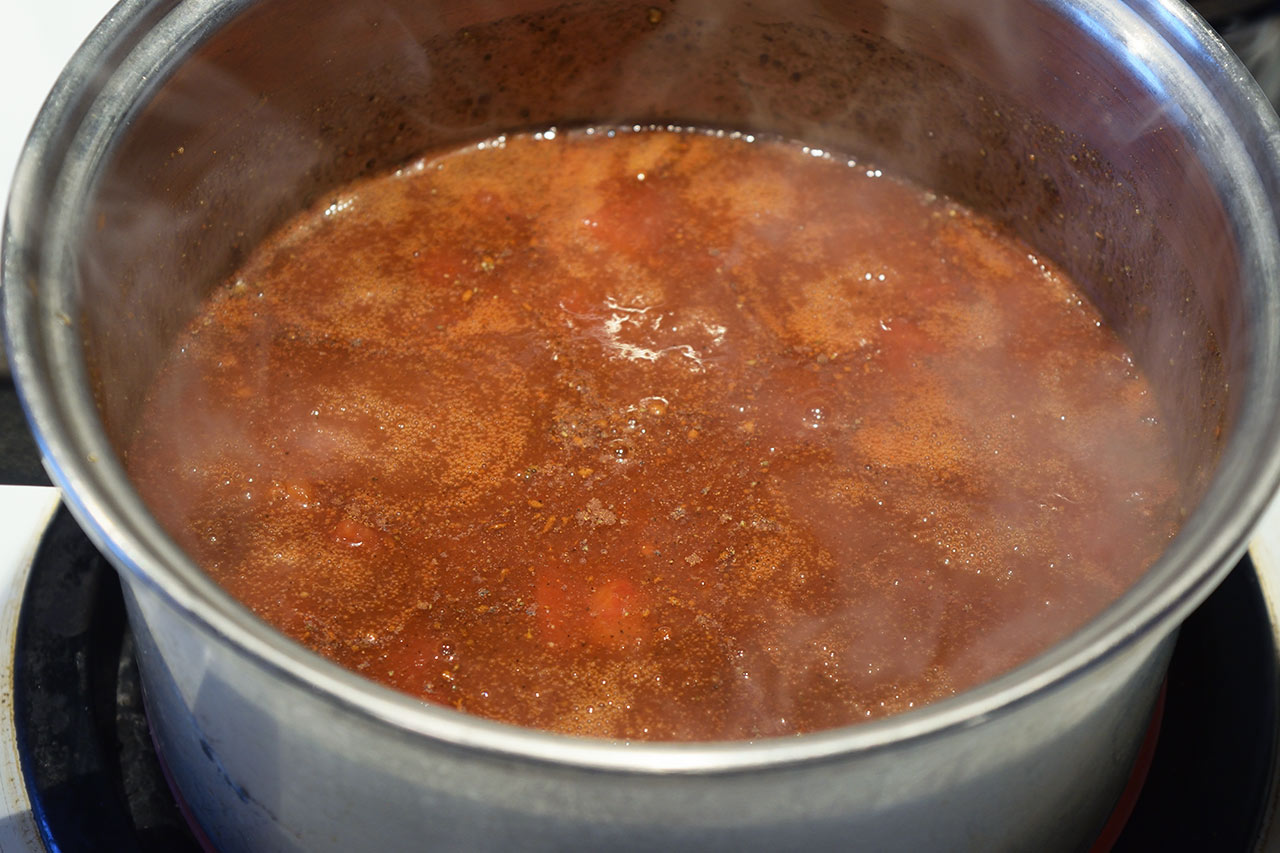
<point x="1011" y="107"/>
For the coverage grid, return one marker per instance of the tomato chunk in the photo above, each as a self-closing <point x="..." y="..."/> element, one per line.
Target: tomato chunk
<point x="616" y="614"/>
<point x="608" y="615"/>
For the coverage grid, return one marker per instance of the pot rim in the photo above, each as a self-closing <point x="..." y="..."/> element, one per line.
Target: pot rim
<point x="44" y="353"/>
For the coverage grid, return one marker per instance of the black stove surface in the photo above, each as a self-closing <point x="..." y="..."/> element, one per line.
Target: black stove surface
<point x="19" y="456"/>
<point x="92" y="773"/>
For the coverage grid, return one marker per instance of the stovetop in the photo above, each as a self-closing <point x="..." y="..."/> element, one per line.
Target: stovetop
<point x="72" y="697"/>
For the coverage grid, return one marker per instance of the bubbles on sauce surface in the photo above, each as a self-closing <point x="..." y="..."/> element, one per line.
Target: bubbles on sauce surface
<point x="658" y="433"/>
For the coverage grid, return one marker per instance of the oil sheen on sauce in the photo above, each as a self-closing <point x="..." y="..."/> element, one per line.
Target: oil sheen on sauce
<point x="660" y="435"/>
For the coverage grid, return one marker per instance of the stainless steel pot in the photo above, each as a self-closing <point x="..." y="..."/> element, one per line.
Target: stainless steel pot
<point x="1122" y="140"/>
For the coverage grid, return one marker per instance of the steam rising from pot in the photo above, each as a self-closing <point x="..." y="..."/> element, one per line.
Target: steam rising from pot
<point x="238" y="140"/>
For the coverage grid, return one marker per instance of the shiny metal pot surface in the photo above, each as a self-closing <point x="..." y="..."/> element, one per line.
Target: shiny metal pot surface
<point x="1122" y="140"/>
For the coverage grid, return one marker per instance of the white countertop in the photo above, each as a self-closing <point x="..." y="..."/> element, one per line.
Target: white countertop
<point x="36" y="40"/>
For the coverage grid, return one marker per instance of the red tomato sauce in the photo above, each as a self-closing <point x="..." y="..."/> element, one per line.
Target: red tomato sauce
<point x="658" y="435"/>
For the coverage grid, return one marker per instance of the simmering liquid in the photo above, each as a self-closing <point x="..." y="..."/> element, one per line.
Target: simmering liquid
<point x="662" y="435"/>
